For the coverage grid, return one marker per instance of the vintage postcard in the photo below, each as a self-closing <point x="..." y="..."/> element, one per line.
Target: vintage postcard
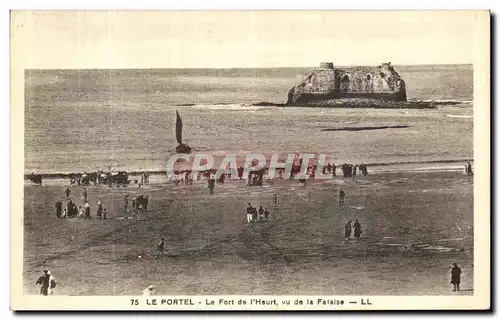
<point x="250" y="160"/>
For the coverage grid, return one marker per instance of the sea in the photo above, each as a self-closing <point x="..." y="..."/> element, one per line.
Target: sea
<point x="124" y="119"/>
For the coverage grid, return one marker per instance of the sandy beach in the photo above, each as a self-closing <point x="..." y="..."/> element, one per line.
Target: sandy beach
<point x="301" y="250"/>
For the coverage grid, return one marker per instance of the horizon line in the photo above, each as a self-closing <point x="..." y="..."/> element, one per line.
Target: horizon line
<point x="256" y="67"/>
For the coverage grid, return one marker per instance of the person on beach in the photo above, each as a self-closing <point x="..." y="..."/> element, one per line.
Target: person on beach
<point x="261" y="213"/>
<point x="161" y="247"/>
<point x="357" y="229"/>
<point x="69" y="207"/>
<point x="354" y="169"/>
<point x="334" y="170"/>
<point x="266" y="214"/>
<point x="146" y="201"/>
<point x="81" y="213"/>
<point x="348" y="230"/>
<point x="125" y="203"/>
<point x="249" y="212"/>
<point x="254" y="214"/>
<point x="275" y="200"/>
<point x="87" y="210"/>
<point x="211" y="185"/>
<point x="58" y="209"/>
<point x="67" y="192"/>
<point x="99" y="209"/>
<point x="469" y="169"/>
<point x="341" y="196"/>
<point x="148" y="291"/>
<point x="104" y="214"/>
<point x="46" y="282"/>
<point x="85" y="193"/>
<point x="456" y="272"/>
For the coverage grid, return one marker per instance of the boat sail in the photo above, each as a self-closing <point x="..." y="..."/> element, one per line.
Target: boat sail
<point x="178" y="128"/>
<point x="181" y="148"/>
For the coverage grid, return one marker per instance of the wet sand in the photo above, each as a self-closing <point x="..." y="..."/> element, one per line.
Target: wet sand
<point x="302" y="250"/>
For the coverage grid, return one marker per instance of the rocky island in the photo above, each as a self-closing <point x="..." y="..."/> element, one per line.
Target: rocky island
<point x="355" y="87"/>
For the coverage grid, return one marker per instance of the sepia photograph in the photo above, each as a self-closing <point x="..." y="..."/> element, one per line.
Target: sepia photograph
<point x="326" y="156"/>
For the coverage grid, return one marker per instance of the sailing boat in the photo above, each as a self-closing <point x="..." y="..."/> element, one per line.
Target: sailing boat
<point x="181" y="148"/>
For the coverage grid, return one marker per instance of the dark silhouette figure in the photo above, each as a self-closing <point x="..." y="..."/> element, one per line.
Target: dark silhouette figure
<point x="58" y="209"/>
<point x="341" y="196"/>
<point x="357" y="230"/>
<point x="261" y="213"/>
<point x="469" y="169"/>
<point x="161" y="247"/>
<point x="456" y="272"/>
<point x="266" y="214"/>
<point x="348" y="230"/>
<point x="45" y="283"/>
<point x="67" y="192"/>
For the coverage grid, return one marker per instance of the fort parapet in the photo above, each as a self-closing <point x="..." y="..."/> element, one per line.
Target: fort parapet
<point x="328" y="85"/>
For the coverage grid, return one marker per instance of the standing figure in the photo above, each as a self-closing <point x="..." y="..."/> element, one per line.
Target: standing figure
<point x="261" y="213"/>
<point x="67" y="192"/>
<point x="87" y="210"/>
<point x="46" y="283"/>
<point x="456" y="272"/>
<point x="85" y="193"/>
<point x="211" y="185"/>
<point x="254" y="214"/>
<point x="81" y="213"/>
<point x="275" y="200"/>
<point x="266" y="214"/>
<point x="469" y="169"/>
<point x="357" y="230"/>
<point x="161" y="247"/>
<point x="58" y="209"/>
<point x="104" y="214"/>
<point x="125" y="203"/>
<point x="146" y="201"/>
<point x="341" y="196"/>
<point x="249" y="213"/>
<point x="334" y="170"/>
<point x="348" y="230"/>
<point x="99" y="208"/>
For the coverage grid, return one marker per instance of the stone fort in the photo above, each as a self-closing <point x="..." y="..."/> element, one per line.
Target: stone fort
<point x="357" y="83"/>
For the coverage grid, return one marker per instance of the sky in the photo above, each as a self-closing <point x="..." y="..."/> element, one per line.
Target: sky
<point x="225" y="39"/>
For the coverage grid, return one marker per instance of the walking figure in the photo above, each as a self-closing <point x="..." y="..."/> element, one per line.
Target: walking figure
<point x="266" y="214"/>
<point x="87" y="211"/>
<point x="357" y="229"/>
<point x="341" y="196"/>
<point x="348" y="230"/>
<point x="456" y="272"/>
<point x="46" y="282"/>
<point x="275" y="200"/>
<point x="249" y="212"/>
<point x="125" y="203"/>
<point x="161" y="247"/>
<point x="68" y="192"/>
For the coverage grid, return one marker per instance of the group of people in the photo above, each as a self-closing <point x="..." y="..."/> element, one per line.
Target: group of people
<point x="254" y="215"/>
<point x="99" y="177"/>
<point x="349" y="228"/>
<point x="349" y="170"/>
<point x="72" y="210"/>
<point x="139" y="203"/>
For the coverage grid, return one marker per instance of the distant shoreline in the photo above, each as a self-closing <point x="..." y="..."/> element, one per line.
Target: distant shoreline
<point x="164" y="172"/>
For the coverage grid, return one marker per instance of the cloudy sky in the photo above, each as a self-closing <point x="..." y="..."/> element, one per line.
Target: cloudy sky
<point x="162" y="39"/>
